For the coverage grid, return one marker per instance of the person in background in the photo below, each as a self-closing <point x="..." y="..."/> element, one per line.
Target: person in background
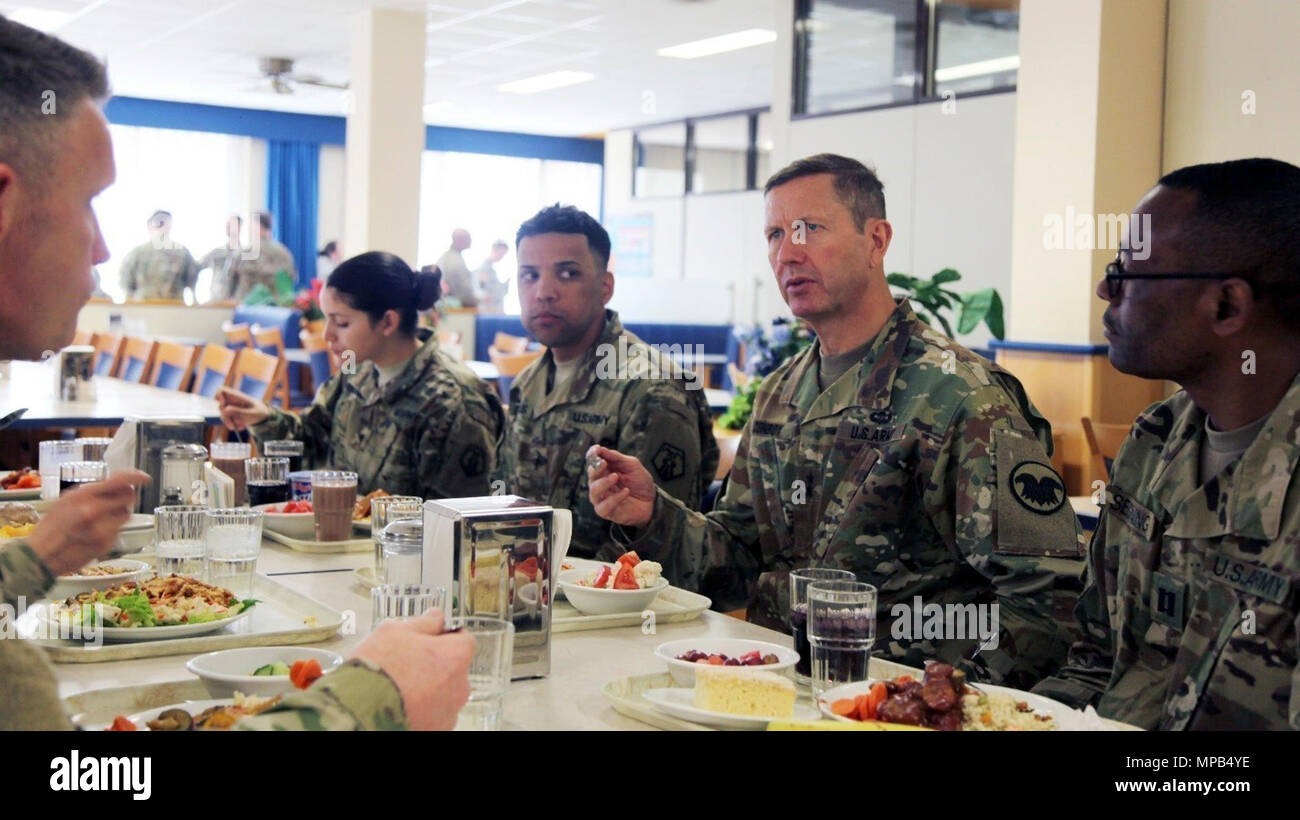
<point x="885" y="449"/>
<point x="596" y="384"/>
<point x="160" y="268"/>
<point x="328" y="259"/>
<point x="269" y="258"/>
<point x="492" y="287"/>
<point x="224" y="263"/>
<point x="1190" y="609"/>
<point x="402" y="414"/>
<point x="458" y="282"/>
<point x="52" y="165"/>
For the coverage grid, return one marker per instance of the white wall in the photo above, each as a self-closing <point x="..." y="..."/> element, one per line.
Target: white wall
<point x="333" y="177"/>
<point x="948" y="193"/>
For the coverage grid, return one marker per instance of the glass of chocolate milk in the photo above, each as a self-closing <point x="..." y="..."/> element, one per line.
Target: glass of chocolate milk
<point x="229" y="458"/>
<point x="333" y="496"/>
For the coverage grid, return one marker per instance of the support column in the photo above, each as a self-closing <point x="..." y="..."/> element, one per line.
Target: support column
<point x="1089" y="118"/>
<point x="385" y="133"/>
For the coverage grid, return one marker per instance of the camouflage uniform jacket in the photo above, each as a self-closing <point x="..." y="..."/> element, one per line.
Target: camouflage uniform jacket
<point x="223" y="262"/>
<point x="432" y="431"/>
<point x="1192" y="601"/>
<point x="644" y="409"/>
<point x="356" y="696"/>
<point x="158" y="273"/>
<point x="925" y="471"/>
<point x="272" y="257"/>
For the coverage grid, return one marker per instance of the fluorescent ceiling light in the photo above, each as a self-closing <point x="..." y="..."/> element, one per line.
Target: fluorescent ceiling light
<point x="545" y="82"/>
<point x="717" y="45"/>
<point x="46" y="20"/>
<point x="961" y="72"/>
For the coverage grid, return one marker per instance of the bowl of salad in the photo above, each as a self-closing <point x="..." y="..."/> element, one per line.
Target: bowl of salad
<point x="262" y="670"/>
<point x="628" y="585"/>
<point x="293" y="519"/>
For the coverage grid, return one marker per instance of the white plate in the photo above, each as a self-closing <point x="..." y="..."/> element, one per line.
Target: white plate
<point x="67" y="586"/>
<point x="1066" y="718"/>
<point x="18" y="495"/>
<point x="44" y="613"/>
<point x="683" y="672"/>
<point x="363" y="525"/>
<point x="680" y="703"/>
<point x="194" y="707"/>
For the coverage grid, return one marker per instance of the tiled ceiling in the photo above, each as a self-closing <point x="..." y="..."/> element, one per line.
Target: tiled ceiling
<point x="207" y="51"/>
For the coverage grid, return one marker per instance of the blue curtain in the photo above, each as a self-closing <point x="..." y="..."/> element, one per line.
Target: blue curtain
<point x="292" y="187"/>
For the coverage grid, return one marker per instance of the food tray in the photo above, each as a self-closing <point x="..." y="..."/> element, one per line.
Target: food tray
<point x="351" y="545"/>
<point x="282" y="616"/>
<point x="95" y="710"/>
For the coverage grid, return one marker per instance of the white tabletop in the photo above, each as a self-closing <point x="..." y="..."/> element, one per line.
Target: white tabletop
<point x="570" y="698"/>
<point x="484" y="370"/>
<point x="32" y="385"/>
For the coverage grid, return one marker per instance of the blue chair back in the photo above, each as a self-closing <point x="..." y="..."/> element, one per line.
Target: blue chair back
<point x="104" y="364"/>
<point x="169" y="376"/>
<point x="209" y="382"/>
<point x="133" y="369"/>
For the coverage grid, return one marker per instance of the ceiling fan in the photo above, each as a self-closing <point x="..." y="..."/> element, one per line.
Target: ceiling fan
<point x="279" y="70"/>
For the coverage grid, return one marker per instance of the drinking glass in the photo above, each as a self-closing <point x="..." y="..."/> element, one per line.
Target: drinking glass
<point x="51" y="455"/>
<point x="384" y="510"/>
<point x="231" y="544"/>
<point x="402" y="601"/>
<point x="489" y="672"/>
<point x="841" y="630"/>
<point x="268" y="480"/>
<point x="286" y="448"/>
<point x="73" y="474"/>
<point x="799" y="581"/>
<point x="93" y="448"/>
<point x="229" y="458"/>
<point x="178" y="539"/>
<point x="333" y="497"/>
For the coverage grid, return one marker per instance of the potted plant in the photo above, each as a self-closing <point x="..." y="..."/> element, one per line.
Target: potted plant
<point x="929" y="298"/>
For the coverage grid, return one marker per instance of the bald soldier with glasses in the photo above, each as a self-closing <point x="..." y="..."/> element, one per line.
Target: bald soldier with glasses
<point x="1190" y="605"/>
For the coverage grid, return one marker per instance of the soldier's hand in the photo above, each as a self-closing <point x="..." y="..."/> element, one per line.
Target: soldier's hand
<point x="239" y="411"/>
<point x="431" y="669"/>
<point x="621" y="488"/>
<point x="83" y="523"/>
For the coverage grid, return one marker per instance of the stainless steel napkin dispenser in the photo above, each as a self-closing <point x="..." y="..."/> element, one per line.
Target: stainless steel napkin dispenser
<point x="153" y="435"/>
<point x="499" y="556"/>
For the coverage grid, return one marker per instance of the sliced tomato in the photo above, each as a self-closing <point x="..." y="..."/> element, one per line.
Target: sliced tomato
<point x="28" y="481"/>
<point x="121" y="724"/>
<point x="602" y="578"/>
<point x="629" y="559"/>
<point x="303" y="673"/>
<point x="626" y="578"/>
<point x="528" y="567"/>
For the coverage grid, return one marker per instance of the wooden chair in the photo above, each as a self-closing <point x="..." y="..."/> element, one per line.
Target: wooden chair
<point x="1104" y="441"/>
<point x="728" y="442"/>
<point x="256" y="373"/>
<point x="270" y="341"/>
<point x="238" y="335"/>
<point x="82" y="337"/>
<point x="173" y="365"/>
<point x="137" y="359"/>
<point x="108" y="351"/>
<point x="323" y="363"/>
<point x="214" y="369"/>
<point x="509" y="365"/>
<point x="506" y="343"/>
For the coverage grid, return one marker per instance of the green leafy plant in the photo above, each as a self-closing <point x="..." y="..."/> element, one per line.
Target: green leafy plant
<point x="929" y="298"/>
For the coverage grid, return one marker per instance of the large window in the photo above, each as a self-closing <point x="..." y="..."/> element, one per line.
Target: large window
<point x="856" y="54"/>
<point x="200" y="178"/>
<point x="703" y="155"/>
<point x="490" y="196"/>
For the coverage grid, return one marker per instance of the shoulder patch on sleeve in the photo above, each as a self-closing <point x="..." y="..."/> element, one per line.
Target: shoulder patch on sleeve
<point x="1034" y="516"/>
<point x="669" y="462"/>
<point x="473" y="460"/>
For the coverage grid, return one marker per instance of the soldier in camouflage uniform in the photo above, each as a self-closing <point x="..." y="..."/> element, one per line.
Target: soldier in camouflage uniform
<point x="68" y="154"/>
<point x="618" y="391"/>
<point x="1191" y="604"/>
<point x="922" y="467"/>
<point x="410" y="420"/>
<point x="158" y="269"/>
<point x="224" y="263"/>
<point x="271" y="258"/>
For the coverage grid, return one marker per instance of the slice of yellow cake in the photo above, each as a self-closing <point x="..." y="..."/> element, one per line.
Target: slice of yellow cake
<point x="738" y="691"/>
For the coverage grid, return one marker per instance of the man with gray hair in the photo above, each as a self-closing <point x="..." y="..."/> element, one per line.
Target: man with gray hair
<point x="55" y="156"/>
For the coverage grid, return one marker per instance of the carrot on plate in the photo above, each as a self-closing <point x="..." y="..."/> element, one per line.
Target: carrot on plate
<point x="843" y="707"/>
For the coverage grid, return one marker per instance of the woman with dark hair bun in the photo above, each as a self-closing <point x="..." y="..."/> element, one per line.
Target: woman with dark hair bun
<point x="406" y="417"/>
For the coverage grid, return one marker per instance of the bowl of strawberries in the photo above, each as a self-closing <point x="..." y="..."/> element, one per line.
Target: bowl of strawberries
<point x="293" y="519"/>
<point x="627" y="585"/>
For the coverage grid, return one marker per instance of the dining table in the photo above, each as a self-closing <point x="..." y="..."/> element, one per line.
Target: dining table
<point x="32" y="387"/>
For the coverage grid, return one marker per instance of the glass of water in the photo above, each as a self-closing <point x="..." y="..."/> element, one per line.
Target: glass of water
<point x="384" y="511"/>
<point x="178" y="539"/>
<point x="489" y="672"/>
<point x="52" y="454"/>
<point x="799" y="581"/>
<point x="231" y="544"/>
<point x="841" y="630"/>
<point x="397" y="602"/>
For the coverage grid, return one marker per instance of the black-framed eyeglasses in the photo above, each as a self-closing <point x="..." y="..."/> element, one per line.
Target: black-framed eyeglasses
<point x="1116" y="276"/>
